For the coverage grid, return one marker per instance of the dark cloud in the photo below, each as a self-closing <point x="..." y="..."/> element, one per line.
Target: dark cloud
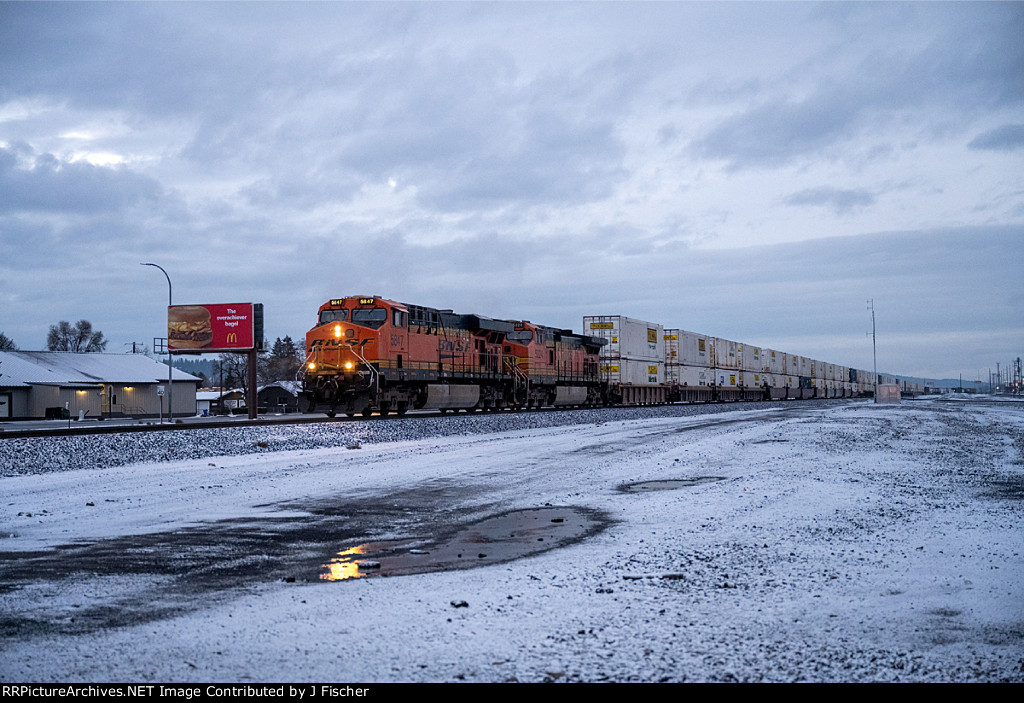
<point x="1007" y="137"/>
<point x="43" y="183"/>
<point x="468" y="135"/>
<point x="940" y="84"/>
<point x="780" y="130"/>
<point x="841" y="201"/>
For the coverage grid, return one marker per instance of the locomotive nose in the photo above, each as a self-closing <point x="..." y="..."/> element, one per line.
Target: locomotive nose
<point x="347" y="335"/>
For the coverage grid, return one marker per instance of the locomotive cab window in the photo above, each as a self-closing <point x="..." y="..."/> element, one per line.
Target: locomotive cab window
<point x="372" y="318"/>
<point x="333" y="316"/>
<point x="520" y="336"/>
<point x="398" y="318"/>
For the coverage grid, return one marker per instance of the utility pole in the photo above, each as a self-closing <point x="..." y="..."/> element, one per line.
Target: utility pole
<point x="170" y="363"/>
<point x="874" y="347"/>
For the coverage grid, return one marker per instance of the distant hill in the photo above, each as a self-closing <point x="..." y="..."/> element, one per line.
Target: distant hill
<point x="206" y="367"/>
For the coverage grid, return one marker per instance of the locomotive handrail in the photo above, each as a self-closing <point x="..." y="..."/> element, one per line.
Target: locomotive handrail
<point x="374" y="373"/>
<point x="519" y="377"/>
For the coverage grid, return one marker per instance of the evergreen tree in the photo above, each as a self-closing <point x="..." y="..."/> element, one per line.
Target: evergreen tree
<point x="284" y="361"/>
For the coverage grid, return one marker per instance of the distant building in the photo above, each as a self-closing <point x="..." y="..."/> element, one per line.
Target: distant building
<point x="279" y="397"/>
<point x="220" y="402"/>
<point x="40" y="385"/>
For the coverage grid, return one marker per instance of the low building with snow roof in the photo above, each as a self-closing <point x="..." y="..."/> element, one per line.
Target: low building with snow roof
<point x="279" y="397"/>
<point x="220" y="402"/>
<point x="37" y="385"/>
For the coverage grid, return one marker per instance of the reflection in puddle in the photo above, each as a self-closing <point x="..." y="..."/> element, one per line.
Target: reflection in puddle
<point x="345" y="565"/>
<point x="668" y="484"/>
<point x="494" y="540"/>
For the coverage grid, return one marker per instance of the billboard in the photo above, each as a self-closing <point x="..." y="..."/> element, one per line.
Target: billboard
<point x="226" y="327"/>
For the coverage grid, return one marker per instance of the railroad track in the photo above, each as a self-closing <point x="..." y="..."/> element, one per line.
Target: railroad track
<point x="298" y="419"/>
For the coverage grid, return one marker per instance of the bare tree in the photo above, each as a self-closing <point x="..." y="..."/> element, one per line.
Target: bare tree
<point x="6" y="343"/>
<point x="78" y="338"/>
<point x="235" y="370"/>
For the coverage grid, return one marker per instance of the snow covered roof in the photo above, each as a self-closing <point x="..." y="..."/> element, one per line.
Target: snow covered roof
<point x="25" y="368"/>
<point x="293" y="387"/>
<point x="217" y="395"/>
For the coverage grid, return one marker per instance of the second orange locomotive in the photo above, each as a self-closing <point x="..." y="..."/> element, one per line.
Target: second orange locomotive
<point x="369" y="354"/>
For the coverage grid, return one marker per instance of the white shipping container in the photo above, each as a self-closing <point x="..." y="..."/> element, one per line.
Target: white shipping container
<point x="627" y="337"/>
<point x="750" y="358"/>
<point x="698" y="376"/>
<point x="774" y="361"/>
<point x="727" y="354"/>
<point x="728" y="378"/>
<point x="750" y="379"/>
<point x="633" y="372"/>
<point x="791" y="364"/>
<point x="690" y="348"/>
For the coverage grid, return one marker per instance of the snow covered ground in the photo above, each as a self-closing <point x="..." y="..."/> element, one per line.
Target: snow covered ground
<point x="796" y="542"/>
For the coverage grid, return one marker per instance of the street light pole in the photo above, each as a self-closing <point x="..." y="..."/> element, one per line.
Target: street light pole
<point x="874" y="347"/>
<point x="170" y="367"/>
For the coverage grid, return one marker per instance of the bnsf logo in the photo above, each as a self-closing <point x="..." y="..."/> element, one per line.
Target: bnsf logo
<point x="448" y="345"/>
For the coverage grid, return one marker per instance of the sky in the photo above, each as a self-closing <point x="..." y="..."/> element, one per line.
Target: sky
<point x="753" y="171"/>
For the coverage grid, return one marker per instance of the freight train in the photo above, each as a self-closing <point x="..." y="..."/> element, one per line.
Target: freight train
<point x="368" y="354"/>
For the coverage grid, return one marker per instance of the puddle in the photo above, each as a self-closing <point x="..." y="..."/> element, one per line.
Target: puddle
<point x="668" y="484"/>
<point x="493" y="540"/>
<point x="135" y="579"/>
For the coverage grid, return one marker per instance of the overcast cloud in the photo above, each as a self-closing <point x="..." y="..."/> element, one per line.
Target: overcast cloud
<point x="755" y="171"/>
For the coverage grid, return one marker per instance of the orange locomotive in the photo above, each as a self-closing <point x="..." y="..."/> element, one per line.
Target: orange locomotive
<point x="369" y="354"/>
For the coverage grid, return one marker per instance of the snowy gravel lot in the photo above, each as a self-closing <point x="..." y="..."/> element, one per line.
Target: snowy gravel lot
<point x="794" y="542"/>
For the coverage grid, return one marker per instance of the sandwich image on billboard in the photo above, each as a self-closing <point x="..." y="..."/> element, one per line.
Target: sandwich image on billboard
<point x="189" y="327"/>
<point x="212" y="328"/>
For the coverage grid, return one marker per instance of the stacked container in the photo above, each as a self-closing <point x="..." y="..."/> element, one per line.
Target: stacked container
<point x="688" y="369"/>
<point x="633" y="359"/>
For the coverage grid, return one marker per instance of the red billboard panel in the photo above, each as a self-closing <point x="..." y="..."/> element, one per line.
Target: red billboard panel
<point x="212" y="328"/>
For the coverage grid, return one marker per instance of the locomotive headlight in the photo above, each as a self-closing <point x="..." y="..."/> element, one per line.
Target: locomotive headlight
<point x="337" y="330"/>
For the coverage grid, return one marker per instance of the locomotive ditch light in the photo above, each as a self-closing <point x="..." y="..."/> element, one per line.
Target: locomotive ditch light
<point x="348" y="365"/>
<point x="312" y="366"/>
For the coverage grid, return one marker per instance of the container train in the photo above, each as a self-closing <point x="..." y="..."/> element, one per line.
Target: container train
<point x="368" y="354"/>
